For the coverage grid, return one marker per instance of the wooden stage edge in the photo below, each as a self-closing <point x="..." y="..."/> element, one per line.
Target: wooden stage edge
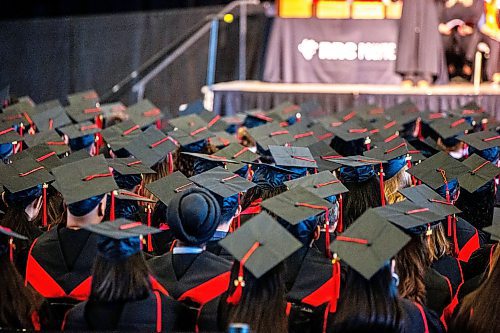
<point x="452" y="89"/>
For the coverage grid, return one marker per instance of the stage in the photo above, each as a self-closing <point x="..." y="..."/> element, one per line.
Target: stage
<point x="237" y="96"/>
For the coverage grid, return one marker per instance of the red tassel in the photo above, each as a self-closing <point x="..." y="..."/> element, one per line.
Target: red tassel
<point x="235" y="297"/>
<point x="158" y="124"/>
<point x="150" y="238"/>
<point x="112" y="208"/>
<point x="170" y="163"/>
<point x="238" y="219"/>
<point x="340" y="224"/>
<point x="382" y="188"/>
<point x="336" y="286"/>
<point x="11" y="250"/>
<point x="44" y="199"/>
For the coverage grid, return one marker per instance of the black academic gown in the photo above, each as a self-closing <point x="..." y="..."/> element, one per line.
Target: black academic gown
<point x="477" y="208"/>
<point x="439" y="292"/>
<point x="420" y="319"/>
<point x="308" y="276"/>
<point x="219" y="251"/>
<point x="48" y="272"/>
<point x="469" y="239"/>
<point x="192" y="278"/>
<point x="451" y="270"/>
<point x="420" y="47"/>
<point x="156" y="313"/>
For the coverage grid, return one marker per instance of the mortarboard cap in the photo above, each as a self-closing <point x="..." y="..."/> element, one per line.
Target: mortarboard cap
<point x="76" y="156"/>
<point x="404" y="113"/>
<point x="9" y="135"/>
<point x="352" y="130"/>
<point x="213" y="121"/>
<point x="481" y="172"/>
<point x="205" y="162"/>
<point x="323" y="184"/>
<point x="269" y="241"/>
<point x="295" y="157"/>
<point x="415" y="154"/>
<point x="42" y="154"/>
<point x="435" y="169"/>
<point x="50" y="119"/>
<point x="23" y="174"/>
<point x="84" y="179"/>
<point x="239" y="153"/>
<point x="303" y="136"/>
<point x="129" y="166"/>
<point x="188" y="123"/>
<point x="222" y="139"/>
<point x="46" y="106"/>
<point x="270" y="134"/>
<point x="144" y="113"/>
<point x="369" y="243"/>
<point x="256" y="118"/>
<point x="222" y="182"/>
<point x="83" y="96"/>
<point x="76" y="131"/>
<point x="191" y="141"/>
<point x="49" y="138"/>
<point x="122" y="194"/>
<point x="494" y="229"/>
<point x="482" y="140"/>
<point x="151" y="146"/>
<point x="424" y="196"/>
<point x="451" y="127"/>
<point x="167" y="187"/>
<point x="410" y="217"/>
<point x="386" y="151"/>
<point x="324" y="156"/>
<point x="119" y="136"/>
<point x="296" y="205"/>
<point x="83" y="111"/>
<point x="120" y="229"/>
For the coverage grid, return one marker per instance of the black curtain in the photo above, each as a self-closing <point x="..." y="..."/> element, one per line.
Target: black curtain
<point x="50" y="58"/>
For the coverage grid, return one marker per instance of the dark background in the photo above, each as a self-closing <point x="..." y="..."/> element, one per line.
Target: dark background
<point x="50" y="55"/>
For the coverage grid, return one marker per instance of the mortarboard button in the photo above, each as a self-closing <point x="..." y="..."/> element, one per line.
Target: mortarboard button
<point x="222" y="182"/>
<point x="481" y="172"/>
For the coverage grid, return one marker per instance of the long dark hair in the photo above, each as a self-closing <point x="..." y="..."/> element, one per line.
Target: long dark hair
<point x="124" y="280"/>
<point x="262" y="191"/>
<point x="368" y="305"/>
<point x="16" y="219"/>
<point x="361" y="196"/>
<point x="479" y="311"/>
<point x="262" y="304"/>
<point x="411" y="264"/>
<point x="17" y="303"/>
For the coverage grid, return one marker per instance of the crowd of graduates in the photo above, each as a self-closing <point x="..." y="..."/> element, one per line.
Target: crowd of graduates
<point x="293" y="219"/>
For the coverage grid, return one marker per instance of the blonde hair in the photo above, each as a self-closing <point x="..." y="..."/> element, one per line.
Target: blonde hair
<point x="395" y="183"/>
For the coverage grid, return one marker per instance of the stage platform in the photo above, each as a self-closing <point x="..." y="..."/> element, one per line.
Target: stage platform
<point x="237" y="96"/>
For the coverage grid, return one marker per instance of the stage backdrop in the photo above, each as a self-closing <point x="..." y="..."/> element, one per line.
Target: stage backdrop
<point x="50" y="58"/>
<point x="332" y="51"/>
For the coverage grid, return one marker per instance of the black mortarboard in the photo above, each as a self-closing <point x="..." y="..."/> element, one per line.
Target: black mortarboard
<point x="121" y="229"/>
<point x="368" y="112"/>
<point x="351" y="131"/>
<point x="322" y="133"/>
<point x="256" y="118"/>
<point x="284" y="111"/>
<point x="451" y="127"/>
<point x="129" y="166"/>
<point x="470" y="110"/>
<point x="213" y="121"/>
<point x="222" y="182"/>
<point x="355" y="161"/>
<point x="323" y="184"/>
<point x="119" y="136"/>
<point x="388" y="151"/>
<point x="404" y="113"/>
<point x="76" y="131"/>
<point x="50" y="119"/>
<point x="167" y="187"/>
<point x="46" y="106"/>
<point x="429" y="172"/>
<point x="383" y="130"/>
<point x="324" y="156"/>
<point x="303" y="135"/>
<point x="83" y="96"/>
<point x="84" y="179"/>
<point x="222" y="139"/>
<point x="369" y="243"/>
<point x="151" y="146"/>
<point x="211" y="158"/>
<point x="481" y="172"/>
<point x="237" y="152"/>
<point x="42" y="154"/>
<point x="83" y="111"/>
<point x="269" y="242"/>
<point x="144" y="113"/>
<point x="110" y="110"/>
<point x="424" y="196"/>
<point x="296" y="157"/>
<point x="296" y="205"/>
<point x="190" y="140"/>
<point x="415" y="154"/>
<point x="270" y="134"/>
<point x="9" y="135"/>
<point x="23" y="174"/>
<point x="49" y="138"/>
<point x="482" y="140"/>
<point x="410" y="217"/>
<point x="76" y="156"/>
<point x="188" y="123"/>
<point x="494" y="229"/>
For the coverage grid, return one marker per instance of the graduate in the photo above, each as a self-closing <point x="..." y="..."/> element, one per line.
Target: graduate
<point x="122" y="296"/>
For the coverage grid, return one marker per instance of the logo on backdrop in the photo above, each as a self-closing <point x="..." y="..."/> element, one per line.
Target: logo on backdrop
<point x="368" y="51"/>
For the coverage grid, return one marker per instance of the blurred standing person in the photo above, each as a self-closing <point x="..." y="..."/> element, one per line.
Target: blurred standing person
<point x="420" y="56"/>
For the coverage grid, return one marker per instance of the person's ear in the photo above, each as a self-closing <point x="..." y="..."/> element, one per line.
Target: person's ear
<point x="101" y="210"/>
<point x="317" y="232"/>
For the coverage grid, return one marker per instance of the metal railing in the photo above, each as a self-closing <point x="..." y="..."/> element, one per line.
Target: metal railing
<point x="158" y="62"/>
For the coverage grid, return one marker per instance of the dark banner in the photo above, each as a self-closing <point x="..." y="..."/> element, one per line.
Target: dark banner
<point x="332" y="51"/>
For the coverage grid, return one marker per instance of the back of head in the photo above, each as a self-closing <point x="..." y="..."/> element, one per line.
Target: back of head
<point x="361" y="196"/>
<point x="84" y="207"/>
<point x="193" y="216"/>
<point x="367" y="305"/>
